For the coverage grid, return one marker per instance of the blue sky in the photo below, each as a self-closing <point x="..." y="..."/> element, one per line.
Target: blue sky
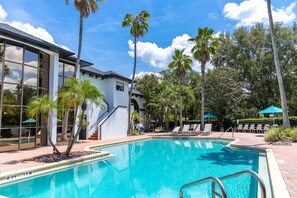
<point x="105" y="42"/>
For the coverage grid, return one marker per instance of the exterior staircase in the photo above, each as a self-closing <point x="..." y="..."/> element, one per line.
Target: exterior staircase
<point x="94" y="136"/>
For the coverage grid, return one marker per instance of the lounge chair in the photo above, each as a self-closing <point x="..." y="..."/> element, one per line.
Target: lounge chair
<point x="259" y="128"/>
<point x="186" y="129"/>
<point x="266" y="128"/>
<point x="195" y="130"/>
<point x="239" y="128"/>
<point x="175" y="130"/>
<point x="207" y="129"/>
<point x="245" y="128"/>
<point x="252" y="128"/>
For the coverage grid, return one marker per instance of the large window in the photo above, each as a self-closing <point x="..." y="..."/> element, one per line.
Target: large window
<point x="65" y="71"/>
<point x="24" y="74"/>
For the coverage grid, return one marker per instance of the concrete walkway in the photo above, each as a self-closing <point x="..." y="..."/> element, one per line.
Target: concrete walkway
<point x="286" y="155"/>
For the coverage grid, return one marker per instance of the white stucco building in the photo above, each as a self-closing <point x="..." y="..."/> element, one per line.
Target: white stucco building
<point x="31" y="67"/>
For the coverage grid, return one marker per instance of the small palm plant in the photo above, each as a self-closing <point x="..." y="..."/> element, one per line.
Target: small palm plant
<point x="180" y="65"/>
<point x="139" y="27"/>
<point x="81" y="93"/>
<point x="43" y="105"/>
<point x="205" y="45"/>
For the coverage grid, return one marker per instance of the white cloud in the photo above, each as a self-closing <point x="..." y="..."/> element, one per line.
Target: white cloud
<point x="213" y="16"/>
<point x="3" y="13"/>
<point x="28" y="28"/>
<point x="143" y="73"/>
<point x="249" y="12"/>
<point x="159" y="57"/>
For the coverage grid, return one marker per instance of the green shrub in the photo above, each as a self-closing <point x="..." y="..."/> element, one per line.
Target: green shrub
<point x="272" y="135"/>
<point x="281" y="134"/>
<point x="135" y="132"/>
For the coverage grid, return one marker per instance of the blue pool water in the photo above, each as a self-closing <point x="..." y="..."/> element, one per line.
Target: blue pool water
<point x="152" y="168"/>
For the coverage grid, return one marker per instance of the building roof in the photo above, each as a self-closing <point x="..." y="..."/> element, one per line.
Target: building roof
<point x="15" y="33"/>
<point x="137" y="93"/>
<point x="104" y="75"/>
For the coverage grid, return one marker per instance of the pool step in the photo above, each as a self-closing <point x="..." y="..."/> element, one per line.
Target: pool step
<point x="94" y="136"/>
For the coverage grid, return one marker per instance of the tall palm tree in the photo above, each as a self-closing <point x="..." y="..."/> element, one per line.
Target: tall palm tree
<point x="139" y="27"/>
<point x="84" y="7"/>
<point x="81" y="93"/>
<point x="286" y="121"/>
<point x="43" y="106"/>
<point x="180" y="65"/>
<point x="205" y="45"/>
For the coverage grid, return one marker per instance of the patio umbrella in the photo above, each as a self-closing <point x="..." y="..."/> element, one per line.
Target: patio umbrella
<point x="29" y="121"/>
<point x="271" y="110"/>
<point x="209" y="115"/>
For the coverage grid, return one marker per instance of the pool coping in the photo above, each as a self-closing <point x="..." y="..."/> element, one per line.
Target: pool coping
<point x="16" y="175"/>
<point x="278" y="186"/>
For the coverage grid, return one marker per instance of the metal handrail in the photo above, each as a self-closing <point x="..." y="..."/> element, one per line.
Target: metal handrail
<point x="219" y="180"/>
<point x="227" y="131"/>
<point x="254" y="174"/>
<point x="211" y="178"/>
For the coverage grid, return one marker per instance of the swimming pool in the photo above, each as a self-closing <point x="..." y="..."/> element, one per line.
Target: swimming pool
<point x="151" y="168"/>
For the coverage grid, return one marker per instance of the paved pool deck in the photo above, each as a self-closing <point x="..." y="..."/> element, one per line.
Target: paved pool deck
<point x="286" y="156"/>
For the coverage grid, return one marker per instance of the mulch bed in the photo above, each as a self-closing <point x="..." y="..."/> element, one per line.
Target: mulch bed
<point x="50" y="158"/>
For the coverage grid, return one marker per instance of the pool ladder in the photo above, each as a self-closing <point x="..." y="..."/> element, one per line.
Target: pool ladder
<point x="218" y="181"/>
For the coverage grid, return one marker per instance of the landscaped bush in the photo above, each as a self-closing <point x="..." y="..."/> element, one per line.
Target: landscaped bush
<point x="281" y="134"/>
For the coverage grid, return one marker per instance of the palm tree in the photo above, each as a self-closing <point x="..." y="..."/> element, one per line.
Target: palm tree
<point x="43" y="105"/>
<point x="81" y="93"/>
<point x="84" y="7"/>
<point x="139" y="27"/>
<point x="286" y="121"/>
<point x="180" y="65"/>
<point x="205" y="45"/>
<point x="65" y="103"/>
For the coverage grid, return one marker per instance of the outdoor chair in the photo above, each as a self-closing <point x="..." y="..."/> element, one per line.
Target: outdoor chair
<point x="195" y="130"/>
<point x="186" y="129"/>
<point x="175" y="130"/>
<point x="259" y="128"/>
<point x="207" y="129"/>
<point x="252" y="128"/>
<point x="239" y="128"/>
<point x="245" y="128"/>
<point x="266" y="128"/>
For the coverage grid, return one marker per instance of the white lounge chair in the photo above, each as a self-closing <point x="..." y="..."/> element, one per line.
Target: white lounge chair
<point x="195" y="130"/>
<point x="186" y="129"/>
<point x="245" y="128"/>
<point x="175" y="130"/>
<point x="259" y="128"/>
<point x="239" y="128"/>
<point x="252" y="128"/>
<point x="207" y="129"/>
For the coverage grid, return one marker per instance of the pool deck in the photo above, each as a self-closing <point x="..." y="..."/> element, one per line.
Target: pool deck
<point x="285" y="155"/>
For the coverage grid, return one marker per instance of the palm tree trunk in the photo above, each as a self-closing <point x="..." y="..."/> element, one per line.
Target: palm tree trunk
<point x="55" y="149"/>
<point x="65" y="123"/>
<point x="131" y="89"/>
<point x="72" y="131"/>
<point x="166" y="119"/>
<point x="286" y="121"/>
<point x="175" y="115"/>
<point x="70" y="145"/>
<point x="181" y="105"/>
<point x="202" y="94"/>
<point x="79" y="45"/>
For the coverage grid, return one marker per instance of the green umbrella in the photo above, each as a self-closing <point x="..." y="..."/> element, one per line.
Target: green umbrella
<point x="29" y="121"/>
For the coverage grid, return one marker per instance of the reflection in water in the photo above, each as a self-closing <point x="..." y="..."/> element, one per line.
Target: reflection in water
<point x="155" y="168"/>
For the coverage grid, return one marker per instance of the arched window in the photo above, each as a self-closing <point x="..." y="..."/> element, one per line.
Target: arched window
<point x="135" y="105"/>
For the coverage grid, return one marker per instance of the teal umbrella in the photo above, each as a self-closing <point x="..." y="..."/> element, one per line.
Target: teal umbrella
<point x="209" y="115"/>
<point x="271" y="110"/>
<point x="31" y="120"/>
